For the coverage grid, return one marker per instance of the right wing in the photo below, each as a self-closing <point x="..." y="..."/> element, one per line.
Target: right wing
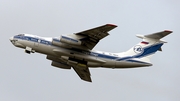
<point x="81" y="69"/>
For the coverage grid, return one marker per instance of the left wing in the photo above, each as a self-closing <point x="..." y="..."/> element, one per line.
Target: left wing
<point x="92" y="36"/>
<point x="85" y="40"/>
<point x="83" y="72"/>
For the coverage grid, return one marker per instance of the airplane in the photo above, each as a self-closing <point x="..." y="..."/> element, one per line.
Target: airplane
<point x="76" y="50"/>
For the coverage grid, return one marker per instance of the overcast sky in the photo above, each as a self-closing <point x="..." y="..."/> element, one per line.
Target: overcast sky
<point x="26" y="77"/>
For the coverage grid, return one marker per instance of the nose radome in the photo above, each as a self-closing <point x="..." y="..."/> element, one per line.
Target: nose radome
<point x="11" y="38"/>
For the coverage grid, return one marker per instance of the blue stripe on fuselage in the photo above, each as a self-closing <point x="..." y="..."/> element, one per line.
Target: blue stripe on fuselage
<point x="28" y="38"/>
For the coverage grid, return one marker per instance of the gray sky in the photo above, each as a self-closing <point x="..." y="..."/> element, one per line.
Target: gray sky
<point x="26" y="77"/>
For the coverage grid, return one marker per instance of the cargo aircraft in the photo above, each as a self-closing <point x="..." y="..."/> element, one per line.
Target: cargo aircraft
<point x="75" y="50"/>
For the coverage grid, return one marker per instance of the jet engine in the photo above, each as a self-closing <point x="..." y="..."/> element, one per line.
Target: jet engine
<point x="70" y="40"/>
<point x="64" y="40"/>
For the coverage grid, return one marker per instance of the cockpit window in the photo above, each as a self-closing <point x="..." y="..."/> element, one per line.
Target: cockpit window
<point x="20" y="35"/>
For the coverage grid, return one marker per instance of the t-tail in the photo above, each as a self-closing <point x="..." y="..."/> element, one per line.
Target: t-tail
<point x="150" y="44"/>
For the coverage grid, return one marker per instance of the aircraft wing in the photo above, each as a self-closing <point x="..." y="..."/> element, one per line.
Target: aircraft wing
<point x="92" y="36"/>
<point x="83" y="72"/>
<point x="81" y="69"/>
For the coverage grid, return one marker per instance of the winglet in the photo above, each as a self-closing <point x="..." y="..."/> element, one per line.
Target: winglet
<point x="168" y="31"/>
<point x="112" y="25"/>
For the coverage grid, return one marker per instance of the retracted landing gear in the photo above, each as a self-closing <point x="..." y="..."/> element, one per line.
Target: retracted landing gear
<point x="29" y="50"/>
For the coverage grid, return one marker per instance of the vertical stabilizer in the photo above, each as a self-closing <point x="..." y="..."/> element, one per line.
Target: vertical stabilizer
<point x="150" y="44"/>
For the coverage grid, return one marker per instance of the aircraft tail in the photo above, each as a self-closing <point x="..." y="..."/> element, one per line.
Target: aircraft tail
<point x="150" y="44"/>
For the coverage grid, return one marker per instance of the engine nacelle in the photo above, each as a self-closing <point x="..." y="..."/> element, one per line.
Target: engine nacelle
<point x="70" y="40"/>
<point x="57" y="42"/>
<point x="60" y="65"/>
<point x="67" y="39"/>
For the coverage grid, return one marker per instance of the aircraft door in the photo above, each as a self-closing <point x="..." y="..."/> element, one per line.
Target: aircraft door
<point x="113" y="63"/>
<point x="36" y="44"/>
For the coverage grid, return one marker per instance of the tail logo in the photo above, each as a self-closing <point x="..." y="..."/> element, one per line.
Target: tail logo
<point x="138" y="49"/>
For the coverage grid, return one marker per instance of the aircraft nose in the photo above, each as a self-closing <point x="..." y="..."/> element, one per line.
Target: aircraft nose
<point x="11" y="38"/>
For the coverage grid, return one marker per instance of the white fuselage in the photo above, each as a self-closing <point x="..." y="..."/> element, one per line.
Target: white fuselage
<point x="94" y="58"/>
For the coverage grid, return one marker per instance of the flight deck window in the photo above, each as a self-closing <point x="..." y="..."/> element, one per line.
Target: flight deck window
<point x="21" y="35"/>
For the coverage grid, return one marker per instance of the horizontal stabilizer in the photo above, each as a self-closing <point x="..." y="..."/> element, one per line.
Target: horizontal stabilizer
<point x="158" y="35"/>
